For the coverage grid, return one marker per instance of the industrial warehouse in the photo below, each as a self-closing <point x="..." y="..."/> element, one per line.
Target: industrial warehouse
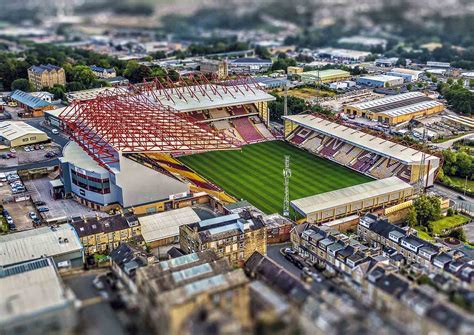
<point x="395" y="109"/>
<point x="17" y="133"/>
<point x="324" y="76"/>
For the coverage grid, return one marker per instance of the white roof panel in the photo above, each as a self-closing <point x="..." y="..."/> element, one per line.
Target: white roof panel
<point x="162" y="225"/>
<point x="360" y="139"/>
<point x="35" y="243"/>
<point x="12" y="130"/>
<point x="350" y="194"/>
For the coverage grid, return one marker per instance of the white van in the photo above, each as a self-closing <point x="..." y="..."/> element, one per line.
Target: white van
<point x="55" y="131"/>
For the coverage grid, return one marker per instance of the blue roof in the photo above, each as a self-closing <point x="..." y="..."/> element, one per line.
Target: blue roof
<point x="28" y="100"/>
<point x="102" y="69"/>
<point x="252" y="60"/>
<point x="41" y="68"/>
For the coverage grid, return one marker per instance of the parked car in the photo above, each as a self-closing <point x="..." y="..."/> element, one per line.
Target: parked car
<point x="289" y="251"/>
<point x="27" y="149"/>
<point x="43" y="209"/>
<point x="9" y="219"/>
<point x="41" y="147"/>
<point x="307" y="275"/>
<point x="5" y="156"/>
<point x="12" y="150"/>
<point x="33" y="215"/>
<point x="55" y="131"/>
<point x="5" y="213"/>
<point x="12" y="226"/>
<point x="39" y="203"/>
<point x="317" y="277"/>
<point x="36" y="222"/>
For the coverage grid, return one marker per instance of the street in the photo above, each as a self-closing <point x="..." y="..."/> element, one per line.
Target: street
<point x="96" y="316"/>
<point x="467" y="204"/>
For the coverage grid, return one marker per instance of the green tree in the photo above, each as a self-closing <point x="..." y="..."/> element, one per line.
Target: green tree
<point x="409" y="87"/>
<point x="428" y="208"/>
<point x="411" y="218"/>
<point x="136" y="73"/>
<point x="22" y="84"/>
<point x="450" y="81"/>
<point x="262" y="52"/>
<point x="59" y="91"/>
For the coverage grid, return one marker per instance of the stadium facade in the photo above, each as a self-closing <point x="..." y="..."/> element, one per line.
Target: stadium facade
<point x="360" y="151"/>
<point x="124" y="139"/>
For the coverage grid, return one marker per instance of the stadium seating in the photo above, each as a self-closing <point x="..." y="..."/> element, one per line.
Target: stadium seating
<point x="331" y="147"/>
<point x="218" y="113"/>
<point x="364" y="161"/>
<point x="313" y="142"/>
<point x="347" y="154"/>
<point x="404" y="173"/>
<point x="247" y="130"/>
<point x="238" y="110"/>
<point x="232" y="133"/>
<point x="264" y="131"/>
<point x="198" y="115"/>
<point x="221" y="125"/>
<point x="385" y="168"/>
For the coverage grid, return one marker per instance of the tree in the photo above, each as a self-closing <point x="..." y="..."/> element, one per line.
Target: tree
<point x="428" y="208"/>
<point x="411" y="218"/>
<point x="58" y="91"/>
<point x="450" y="81"/>
<point x="136" y="72"/>
<point x="409" y="87"/>
<point x="262" y="52"/>
<point x="22" y="84"/>
<point x="402" y="62"/>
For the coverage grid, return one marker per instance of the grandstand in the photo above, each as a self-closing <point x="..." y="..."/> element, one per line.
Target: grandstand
<point x="365" y="153"/>
<point x="124" y="138"/>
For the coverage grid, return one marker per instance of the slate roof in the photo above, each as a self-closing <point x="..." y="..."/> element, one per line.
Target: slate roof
<point x="41" y="68"/>
<point x="103" y="225"/>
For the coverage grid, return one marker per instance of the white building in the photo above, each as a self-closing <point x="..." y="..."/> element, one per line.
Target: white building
<point x="34" y="300"/>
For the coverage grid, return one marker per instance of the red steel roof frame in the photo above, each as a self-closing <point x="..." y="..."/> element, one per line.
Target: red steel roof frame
<point x="125" y="120"/>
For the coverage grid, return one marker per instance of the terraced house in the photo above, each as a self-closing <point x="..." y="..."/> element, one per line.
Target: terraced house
<point x="235" y="237"/>
<point x="105" y="234"/>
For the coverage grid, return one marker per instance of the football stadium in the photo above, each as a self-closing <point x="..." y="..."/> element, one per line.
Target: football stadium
<point x="256" y="173"/>
<point x="141" y="146"/>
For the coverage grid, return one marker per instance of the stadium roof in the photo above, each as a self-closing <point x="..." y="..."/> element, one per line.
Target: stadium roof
<point x="30" y="288"/>
<point x="11" y="130"/>
<point x="360" y="139"/>
<point x="32" y="244"/>
<point x="218" y="96"/>
<point x="28" y="99"/>
<point x="128" y="121"/>
<point x="163" y="225"/>
<point x="328" y="200"/>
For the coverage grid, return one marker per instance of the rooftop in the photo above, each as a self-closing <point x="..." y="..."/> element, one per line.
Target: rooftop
<point x="29" y="289"/>
<point x="350" y="194"/>
<point x="28" y="99"/>
<point x="41" y="68"/>
<point x="326" y="73"/>
<point x="11" y="130"/>
<point x="36" y="243"/>
<point x="109" y="224"/>
<point x="360" y="139"/>
<point x="163" y="225"/>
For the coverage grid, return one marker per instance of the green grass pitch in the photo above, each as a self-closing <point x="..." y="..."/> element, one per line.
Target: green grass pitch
<point x="255" y="173"/>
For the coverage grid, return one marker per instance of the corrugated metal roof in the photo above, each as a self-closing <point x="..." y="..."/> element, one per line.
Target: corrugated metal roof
<point x="350" y="194"/>
<point x="28" y="99"/>
<point x="162" y="225"/>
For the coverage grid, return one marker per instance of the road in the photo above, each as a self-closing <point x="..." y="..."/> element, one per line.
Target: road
<point x="60" y="139"/>
<point x="449" y="143"/>
<point x="96" y="315"/>
<point x="454" y="196"/>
